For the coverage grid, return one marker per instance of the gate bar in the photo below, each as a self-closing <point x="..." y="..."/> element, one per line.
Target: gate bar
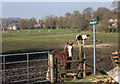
<point x="27" y="68"/>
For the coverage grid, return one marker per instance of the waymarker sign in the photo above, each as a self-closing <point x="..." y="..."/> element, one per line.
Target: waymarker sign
<point x="94" y="22"/>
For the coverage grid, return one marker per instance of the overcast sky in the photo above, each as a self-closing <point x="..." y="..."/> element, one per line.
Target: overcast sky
<point x="41" y="9"/>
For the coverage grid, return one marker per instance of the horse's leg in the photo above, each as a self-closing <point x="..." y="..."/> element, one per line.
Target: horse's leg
<point x="69" y="64"/>
<point x="83" y="41"/>
<point x="65" y="66"/>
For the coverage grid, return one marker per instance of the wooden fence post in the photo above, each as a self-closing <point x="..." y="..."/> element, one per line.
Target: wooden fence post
<point x="58" y="66"/>
<point x="57" y="69"/>
<point x="84" y="70"/>
<point x="80" y="50"/>
<point x="80" y="58"/>
<point x="51" y="68"/>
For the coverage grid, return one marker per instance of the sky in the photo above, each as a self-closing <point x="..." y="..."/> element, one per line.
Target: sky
<point x="57" y="0"/>
<point x="41" y="9"/>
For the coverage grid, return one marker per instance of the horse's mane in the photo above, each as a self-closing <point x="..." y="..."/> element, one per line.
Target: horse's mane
<point x="65" y="49"/>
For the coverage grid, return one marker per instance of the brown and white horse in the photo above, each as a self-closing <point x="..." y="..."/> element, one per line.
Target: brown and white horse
<point x="63" y="55"/>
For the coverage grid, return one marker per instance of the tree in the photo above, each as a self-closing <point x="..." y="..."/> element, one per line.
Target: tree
<point x="22" y="23"/>
<point x="27" y="23"/>
<point x="88" y="13"/>
<point x="88" y="10"/>
<point x="50" y="22"/>
<point x="75" y="13"/>
<point x="103" y="13"/>
<point x="32" y="22"/>
<point x="68" y="14"/>
<point x="59" y="23"/>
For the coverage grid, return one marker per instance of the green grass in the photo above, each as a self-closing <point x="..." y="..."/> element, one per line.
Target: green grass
<point x="107" y="37"/>
<point x="23" y="41"/>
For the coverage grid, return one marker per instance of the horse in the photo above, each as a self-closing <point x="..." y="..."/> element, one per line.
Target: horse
<point x="63" y="56"/>
<point x="82" y="38"/>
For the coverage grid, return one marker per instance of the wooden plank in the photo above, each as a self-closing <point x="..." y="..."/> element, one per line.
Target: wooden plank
<point x="72" y="70"/>
<point x="113" y="61"/>
<point x="115" y="56"/>
<point x="116" y="60"/>
<point x="72" y="61"/>
<point x="71" y="74"/>
<point x="116" y="52"/>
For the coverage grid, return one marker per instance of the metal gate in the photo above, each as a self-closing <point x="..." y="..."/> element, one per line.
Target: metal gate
<point x="24" y="67"/>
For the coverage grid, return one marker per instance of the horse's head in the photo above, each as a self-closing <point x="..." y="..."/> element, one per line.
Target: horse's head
<point x="69" y="48"/>
<point x="88" y="36"/>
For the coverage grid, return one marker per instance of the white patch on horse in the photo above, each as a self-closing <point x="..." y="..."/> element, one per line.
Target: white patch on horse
<point x="70" y="51"/>
<point x="84" y="37"/>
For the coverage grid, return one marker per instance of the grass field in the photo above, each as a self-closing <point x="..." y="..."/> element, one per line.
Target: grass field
<point x="24" y="41"/>
<point x="38" y="31"/>
<point x="45" y="40"/>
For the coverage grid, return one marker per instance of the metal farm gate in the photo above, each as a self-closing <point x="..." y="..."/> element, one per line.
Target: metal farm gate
<point x="24" y="67"/>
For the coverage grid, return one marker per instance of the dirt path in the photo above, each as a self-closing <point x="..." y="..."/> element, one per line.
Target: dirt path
<point x="97" y="45"/>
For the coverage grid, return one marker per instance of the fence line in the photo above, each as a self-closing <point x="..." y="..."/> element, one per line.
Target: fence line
<point x="25" y="53"/>
<point x="26" y="67"/>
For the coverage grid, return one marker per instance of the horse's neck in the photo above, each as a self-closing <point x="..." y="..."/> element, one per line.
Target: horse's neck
<point x="66" y="52"/>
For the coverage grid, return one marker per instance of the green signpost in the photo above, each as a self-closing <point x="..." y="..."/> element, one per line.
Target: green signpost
<point x="94" y="22"/>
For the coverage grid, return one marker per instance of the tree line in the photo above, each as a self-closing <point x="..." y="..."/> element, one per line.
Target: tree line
<point x="81" y="21"/>
<point x="76" y="20"/>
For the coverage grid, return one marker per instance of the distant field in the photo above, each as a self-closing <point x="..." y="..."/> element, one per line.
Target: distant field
<point x="38" y="31"/>
<point x="39" y="40"/>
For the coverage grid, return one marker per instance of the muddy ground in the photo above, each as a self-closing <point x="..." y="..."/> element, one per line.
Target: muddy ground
<point x="103" y="55"/>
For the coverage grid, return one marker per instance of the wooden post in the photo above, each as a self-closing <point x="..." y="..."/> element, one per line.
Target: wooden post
<point x="51" y="68"/>
<point x="80" y="50"/>
<point x="80" y="58"/>
<point x="84" y="71"/>
<point x="57" y="69"/>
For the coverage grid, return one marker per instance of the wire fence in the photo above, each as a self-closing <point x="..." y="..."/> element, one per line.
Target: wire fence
<point x="24" y="67"/>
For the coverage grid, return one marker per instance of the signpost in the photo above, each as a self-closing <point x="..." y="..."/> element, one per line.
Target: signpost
<point x="94" y="22"/>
